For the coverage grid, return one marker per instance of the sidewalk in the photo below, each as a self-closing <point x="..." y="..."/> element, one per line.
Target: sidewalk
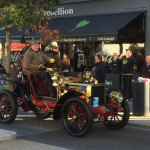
<point x="138" y="120"/>
<point x="7" y="135"/>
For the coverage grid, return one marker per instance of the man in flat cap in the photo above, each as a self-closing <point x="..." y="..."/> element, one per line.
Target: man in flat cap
<point x="52" y="51"/>
<point x="34" y="60"/>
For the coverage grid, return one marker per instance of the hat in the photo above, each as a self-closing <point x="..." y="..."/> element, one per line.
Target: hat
<point x="52" y="45"/>
<point x="34" y="42"/>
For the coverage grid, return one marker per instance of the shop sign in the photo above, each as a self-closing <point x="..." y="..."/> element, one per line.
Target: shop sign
<point x="105" y="38"/>
<point x="73" y="39"/>
<point x="15" y="40"/>
<point x="91" y="38"/>
<point x="59" y="11"/>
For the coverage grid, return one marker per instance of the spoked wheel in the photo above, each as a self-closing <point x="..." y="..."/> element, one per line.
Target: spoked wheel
<point x="119" y="119"/>
<point x="8" y="107"/>
<point x="43" y="115"/>
<point x="77" y="117"/>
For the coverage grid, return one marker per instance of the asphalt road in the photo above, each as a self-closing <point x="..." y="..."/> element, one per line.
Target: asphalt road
<point x="50" y="132"/>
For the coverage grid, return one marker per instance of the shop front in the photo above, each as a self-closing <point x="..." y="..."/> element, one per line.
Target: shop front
<point x="93" y="26"/>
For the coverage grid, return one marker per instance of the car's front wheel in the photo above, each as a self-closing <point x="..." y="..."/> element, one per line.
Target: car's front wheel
<point x="77" y="117"/>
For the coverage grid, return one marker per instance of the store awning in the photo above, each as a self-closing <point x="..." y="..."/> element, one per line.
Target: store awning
<point x="107" y="24"/>
<point x="15" y="34"/>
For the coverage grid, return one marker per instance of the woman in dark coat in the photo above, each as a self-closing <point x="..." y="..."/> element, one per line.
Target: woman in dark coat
<point x="12" y="74"/>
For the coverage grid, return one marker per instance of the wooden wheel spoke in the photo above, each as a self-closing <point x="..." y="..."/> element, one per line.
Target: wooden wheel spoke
<point x="82" y="122"/>
<point x="73" y="109"/>
<point x="82" y="114"/>
<point x="69" y="115"/>
<point x="72" y="123"/>
<point x="82" y="118"/>
<point x="70" y="119"/>
<point x="120" y="115"/>
<point x="79" y="126"/>
<point x="117" y="117"/>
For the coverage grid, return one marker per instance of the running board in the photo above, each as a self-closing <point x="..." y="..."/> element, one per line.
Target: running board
<point x="46" y="98"/>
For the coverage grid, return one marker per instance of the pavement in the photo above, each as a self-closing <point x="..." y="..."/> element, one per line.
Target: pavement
<point x="8" y="138"/>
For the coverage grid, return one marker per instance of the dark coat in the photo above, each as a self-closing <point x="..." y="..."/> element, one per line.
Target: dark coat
<point x="140" y="62"/>
<point x="128" y="65"/>
<point x="33" y="59"/>
<point x="100" y="72"/>
<point x="12" y="74"/>
<point x="107" y="68"/>
<point x="115" y="69"/>
<point x="57" y="58"/>
<point x="145" y="72"/>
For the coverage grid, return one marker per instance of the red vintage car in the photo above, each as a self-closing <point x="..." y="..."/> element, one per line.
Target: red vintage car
<point x="79" y="102"/>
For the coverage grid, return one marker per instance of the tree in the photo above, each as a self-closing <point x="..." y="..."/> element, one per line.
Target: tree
<point x="23" y="13"/>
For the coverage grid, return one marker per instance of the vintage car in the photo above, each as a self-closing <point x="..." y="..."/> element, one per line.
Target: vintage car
<point x="80" y="102"/>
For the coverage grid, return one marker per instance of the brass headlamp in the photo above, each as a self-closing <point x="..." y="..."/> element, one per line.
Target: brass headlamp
<point x="115" y="97"/>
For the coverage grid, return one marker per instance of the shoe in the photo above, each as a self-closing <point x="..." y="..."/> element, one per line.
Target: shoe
<point x="53" y="95"/>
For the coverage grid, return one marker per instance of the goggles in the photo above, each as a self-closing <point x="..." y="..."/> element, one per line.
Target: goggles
<point x="34" y="42"/>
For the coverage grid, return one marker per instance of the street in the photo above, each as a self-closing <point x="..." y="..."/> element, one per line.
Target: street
<point x="50" y="132"/>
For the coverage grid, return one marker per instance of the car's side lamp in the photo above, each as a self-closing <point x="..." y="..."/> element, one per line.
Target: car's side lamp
<point x="96" y="82"/>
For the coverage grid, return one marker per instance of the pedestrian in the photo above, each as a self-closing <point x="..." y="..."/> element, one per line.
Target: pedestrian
<point x="106" y="64"/>
<point x="13" y="74"/>
<point x="145" y="71"/>
<point x="127" y="70"/>
<point x="52" y="51"/>
<point x="98" y="72"/>
<point x="115" y="64"/>
<point x="140" y="61"/>
<point x="65" y="63"/>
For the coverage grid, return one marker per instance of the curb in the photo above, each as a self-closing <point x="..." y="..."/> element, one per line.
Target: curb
<point x="134" y="124"/>
<point x="7" y="135"/>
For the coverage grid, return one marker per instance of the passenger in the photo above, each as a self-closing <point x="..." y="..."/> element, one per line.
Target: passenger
<point x="115" y="64"/>
<point x="99" y="71"/>
<point x="145" y="71"/>
<point x="34" y="60"/>
<point x="65" y="63"/>
<point x="52" y="51"/>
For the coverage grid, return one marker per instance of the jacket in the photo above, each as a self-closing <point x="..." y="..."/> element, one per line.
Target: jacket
<point x="127" y="65"/>
<point x="145" y="72"/>
<point x="12" y="74"/>
<point x="117" y="68"/>
<point x="100" y="72"/>
<point x="54" y="55"/>
<point x="33" y="59"/>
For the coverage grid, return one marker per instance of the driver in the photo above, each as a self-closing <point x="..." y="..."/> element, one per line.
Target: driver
<point x="34" y="60"/>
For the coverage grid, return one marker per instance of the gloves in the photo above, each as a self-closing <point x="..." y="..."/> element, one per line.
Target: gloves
<point x="41" y="66"/>
<point x="52" y="60"/>
<point x="49" y="70"/>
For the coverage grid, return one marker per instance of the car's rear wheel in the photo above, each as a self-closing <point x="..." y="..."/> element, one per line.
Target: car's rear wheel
<point x="8" y="107"/>
<point x="119" y="118"/>
<point x="77" y="117"/>
<point x="43" y="115"/>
